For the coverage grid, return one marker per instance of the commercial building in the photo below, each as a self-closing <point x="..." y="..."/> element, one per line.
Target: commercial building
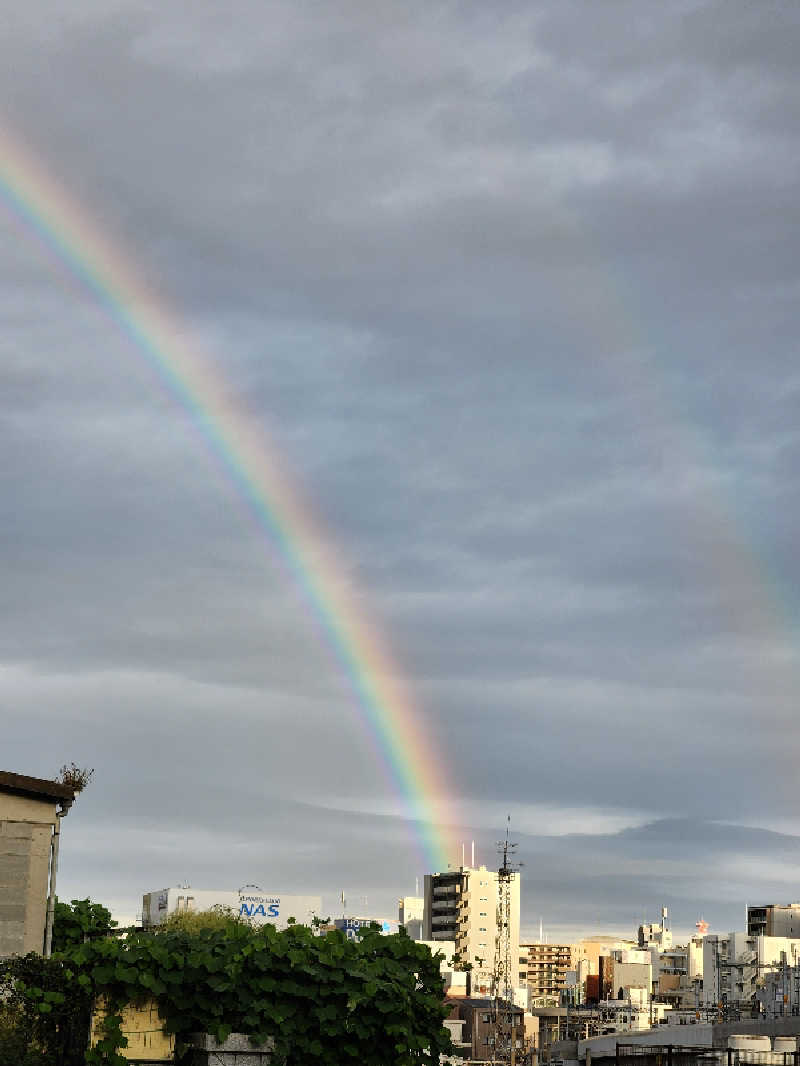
<point x="465" y="905"/>
<point x="251" y="902"/>
<point x="543" y="970"/>
<point x="774" y="919"/>
<point x="31" y="809"/>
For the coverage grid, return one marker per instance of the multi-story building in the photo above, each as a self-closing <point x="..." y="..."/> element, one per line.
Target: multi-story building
<point x="656" y="935"/>
<point x="483" y="1025"/>
<point x="623" y="971"/>
<point x="465" y="905"/>
<point x="410" y="914"/>
<point x="543" y="970"/>
<point x="774" y="919"/>
<point x="735" y="964"/>
<point x="249" y="902"/>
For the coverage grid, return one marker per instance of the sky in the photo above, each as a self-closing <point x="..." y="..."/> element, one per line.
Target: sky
<point x="512" y="290"/>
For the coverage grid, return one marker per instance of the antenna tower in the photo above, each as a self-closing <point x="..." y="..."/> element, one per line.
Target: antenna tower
<point x="505" y="953"/>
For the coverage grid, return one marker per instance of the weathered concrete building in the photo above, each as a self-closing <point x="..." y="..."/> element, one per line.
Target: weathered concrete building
<point x="30" y="810"/>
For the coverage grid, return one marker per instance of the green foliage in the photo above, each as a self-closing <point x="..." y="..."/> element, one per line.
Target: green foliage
<point x="218" y="917"/>
<point x="377" y="1001"/>
<point x="74" y="922"/>
<point x="44" y="1013"/>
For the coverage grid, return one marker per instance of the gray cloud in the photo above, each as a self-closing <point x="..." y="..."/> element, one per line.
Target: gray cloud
<point x="514" y="293"/>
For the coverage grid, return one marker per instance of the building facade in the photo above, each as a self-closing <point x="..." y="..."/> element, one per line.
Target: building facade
<point x="466" y="906"/>
<point x="774" y="919"/>
<point x="30" y="812"/>
<point x="736" y="964"/>
<point x="483" y="1026"/>
<point x="410" y="914"/>
<point x="249" y="902"/>
<point x="543" y="970"/>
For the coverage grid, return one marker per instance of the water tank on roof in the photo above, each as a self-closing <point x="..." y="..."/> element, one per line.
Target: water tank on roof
<point x="749" y="1042"/>
<point x="785" y="1044"/>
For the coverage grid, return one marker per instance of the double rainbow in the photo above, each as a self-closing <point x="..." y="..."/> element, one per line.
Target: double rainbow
<point x="385" y="706"/>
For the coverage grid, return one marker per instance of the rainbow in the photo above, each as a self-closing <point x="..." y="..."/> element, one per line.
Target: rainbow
<point x="384" y="704"/>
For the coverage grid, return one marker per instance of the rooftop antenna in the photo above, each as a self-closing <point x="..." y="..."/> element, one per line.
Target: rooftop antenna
<point x="462" y="854"/>
<point x="416" y="886"/>
<point x="473" y="854"/>
<point x="541" y="930"/>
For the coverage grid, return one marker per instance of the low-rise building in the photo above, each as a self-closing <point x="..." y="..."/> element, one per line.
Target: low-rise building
<point x="251" y="902"/>
<point x="486" y="1021"/>
<point x="31" y="809"/>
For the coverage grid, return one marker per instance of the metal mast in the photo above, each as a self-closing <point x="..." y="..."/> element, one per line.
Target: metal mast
<point x="505" y="953"/>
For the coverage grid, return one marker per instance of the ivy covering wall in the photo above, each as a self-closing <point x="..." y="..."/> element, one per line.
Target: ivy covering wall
<point x="377" y="1001"/>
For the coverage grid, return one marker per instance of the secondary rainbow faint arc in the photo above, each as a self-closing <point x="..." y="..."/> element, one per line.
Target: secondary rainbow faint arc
<point x="385" y="705"/>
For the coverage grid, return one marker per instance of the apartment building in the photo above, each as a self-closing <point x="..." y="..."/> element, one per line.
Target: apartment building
<point x="774" y="919"/>
<point x="735" y="964"/>
<point x="543" y="970"/>
<point x="410" y="914"/>
<point x="464" y="905"/>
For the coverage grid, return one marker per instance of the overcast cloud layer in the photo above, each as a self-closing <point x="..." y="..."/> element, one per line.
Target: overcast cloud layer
<point x="514" y="289"/>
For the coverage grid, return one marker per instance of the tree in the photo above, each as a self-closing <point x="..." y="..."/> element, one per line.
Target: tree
<point x="78" y="921"/>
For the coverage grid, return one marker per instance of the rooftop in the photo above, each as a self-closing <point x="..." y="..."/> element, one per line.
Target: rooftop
<point x="35" y="786"/>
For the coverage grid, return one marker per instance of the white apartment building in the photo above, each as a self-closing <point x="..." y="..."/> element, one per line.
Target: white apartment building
<point x="736" y="964"/>
<point x="656" y="935"/>
<point x="251" y="902"/>
<point x="410" y="913"/>
<point x="464" y="905"/>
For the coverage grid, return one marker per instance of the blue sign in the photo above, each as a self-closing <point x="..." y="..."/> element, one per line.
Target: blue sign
<point x="259" y="907"/>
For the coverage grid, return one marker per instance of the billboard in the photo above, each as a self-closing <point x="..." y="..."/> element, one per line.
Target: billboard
<point x="351" y="927"/>
<point x="250" y="902"/>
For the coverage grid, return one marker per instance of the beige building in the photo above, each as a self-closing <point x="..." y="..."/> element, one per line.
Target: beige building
<point x="30" y="810"/>
<point x="465" y="905"/>
<point x="543" y="969"/>
<point x="591" y="948"/>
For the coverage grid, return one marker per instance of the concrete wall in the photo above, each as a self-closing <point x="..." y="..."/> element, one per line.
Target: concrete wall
<point x="144" y="1028"/>
<point x="26" y="826"/>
